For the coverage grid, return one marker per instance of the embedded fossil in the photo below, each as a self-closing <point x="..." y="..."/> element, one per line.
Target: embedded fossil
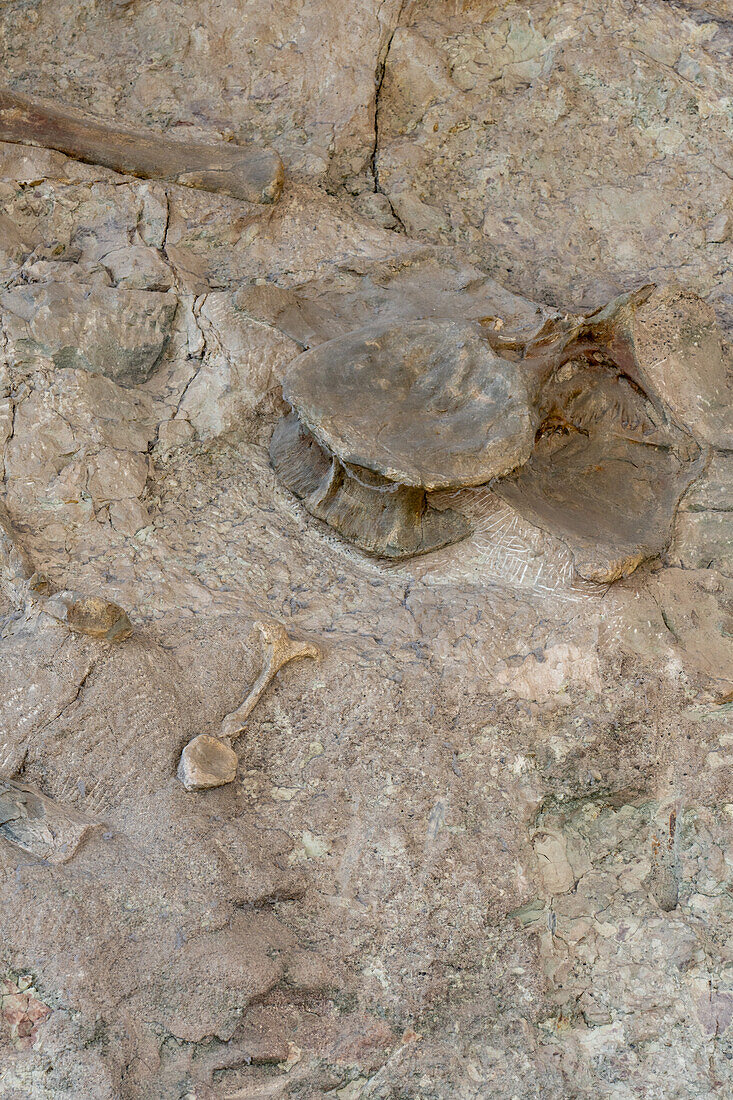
<point x="242" y="171"/>
<point x="38" y="825"/>
<point x="604" y="476"/>
<point x="573" y="425"/>
<point x="668" y="342"/>
<point x="23" y="585"/>
<point x="389" y="412"/>
<point x="209" y="761"/>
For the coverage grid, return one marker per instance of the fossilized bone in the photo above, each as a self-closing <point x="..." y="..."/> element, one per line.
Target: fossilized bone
<point x="208" y="761"/>
<point x="24" y="586"/>
<point x="389" y="412"/>
<point x="242" y="171"/>
<point x="576" y="425"/>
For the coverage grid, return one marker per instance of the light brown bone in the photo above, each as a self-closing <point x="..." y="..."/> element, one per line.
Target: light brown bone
<point x="208" y="761"/>
<point x="279" y="649"/>
<point x="243" y="171"/>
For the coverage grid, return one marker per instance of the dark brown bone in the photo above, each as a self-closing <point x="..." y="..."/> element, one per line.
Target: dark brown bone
<point x="242" y="171"/>
<point x="377" y="515"/>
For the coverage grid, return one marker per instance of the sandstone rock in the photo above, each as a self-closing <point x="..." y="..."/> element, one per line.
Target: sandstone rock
<point x="137" y="268"/>
<point x="486" y="735"/>
<point x="40" y="826"/>
<point x="207" y="762"/>
<point x="704" y="540"/>
<point x="120" y="334"/>
<point x="241" y="361"/>
<point x="491" y="116"/>
<point x="720" y="228"/>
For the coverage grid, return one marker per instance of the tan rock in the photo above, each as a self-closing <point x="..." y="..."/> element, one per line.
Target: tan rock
<point x="207" y="762"/>
<point x="90" y="615"/>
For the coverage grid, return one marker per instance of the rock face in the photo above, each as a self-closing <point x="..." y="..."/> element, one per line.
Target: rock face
<point x="118" y="333"/>
<point x="555" y="143"/>
<point x="482" y="848"/>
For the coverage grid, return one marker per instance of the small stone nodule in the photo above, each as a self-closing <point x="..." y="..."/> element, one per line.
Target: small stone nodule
<point x="207" y="762"/>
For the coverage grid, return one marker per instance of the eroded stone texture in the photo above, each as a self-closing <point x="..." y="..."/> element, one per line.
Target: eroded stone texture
<point x="118" y="333"/>
<point x="578" y="149"/>
<point x="483" y="848"/>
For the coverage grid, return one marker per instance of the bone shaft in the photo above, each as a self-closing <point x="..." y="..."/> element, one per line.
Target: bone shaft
<point x="244" y="172"/>
<point x="234" y="722"/>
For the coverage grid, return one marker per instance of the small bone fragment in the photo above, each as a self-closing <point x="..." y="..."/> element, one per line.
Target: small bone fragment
<point x="209" y="761"/>
<point x="242" y="171"/>
<point x="90" y="615"/>
<point x="279" y="649"/>
<point x="38" y="825"/>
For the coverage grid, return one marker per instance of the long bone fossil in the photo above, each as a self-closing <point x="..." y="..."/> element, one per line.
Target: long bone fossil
<point x="247" y="172"/>
<point x="210" y="761"/>
<point x="25" y="587"/>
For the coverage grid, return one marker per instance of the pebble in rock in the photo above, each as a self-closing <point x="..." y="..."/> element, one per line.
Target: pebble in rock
<point x="207" y="762"/>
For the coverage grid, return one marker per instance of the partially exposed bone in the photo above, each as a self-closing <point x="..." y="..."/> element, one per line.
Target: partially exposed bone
<point x="242" y="171"/>
<point x="38" y="825"/>
<point x="426" y="404"/>
<point x="668" y="341"/>
<point x="606" y="474"/>
<point x="377" y="515"/>
<point x="90" y="615"/>
<point x="208" y="761"/>
<point x="279" y="649"/>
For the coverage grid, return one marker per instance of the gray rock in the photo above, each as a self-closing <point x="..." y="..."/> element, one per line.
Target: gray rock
<point x="119" y="333"/>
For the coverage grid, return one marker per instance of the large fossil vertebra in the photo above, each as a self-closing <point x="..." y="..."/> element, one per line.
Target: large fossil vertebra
<point x="575" y="426"/>
<point x="390" y="412"/>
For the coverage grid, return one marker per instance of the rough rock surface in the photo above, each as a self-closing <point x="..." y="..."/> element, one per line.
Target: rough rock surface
<point x="483" y="847"/>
